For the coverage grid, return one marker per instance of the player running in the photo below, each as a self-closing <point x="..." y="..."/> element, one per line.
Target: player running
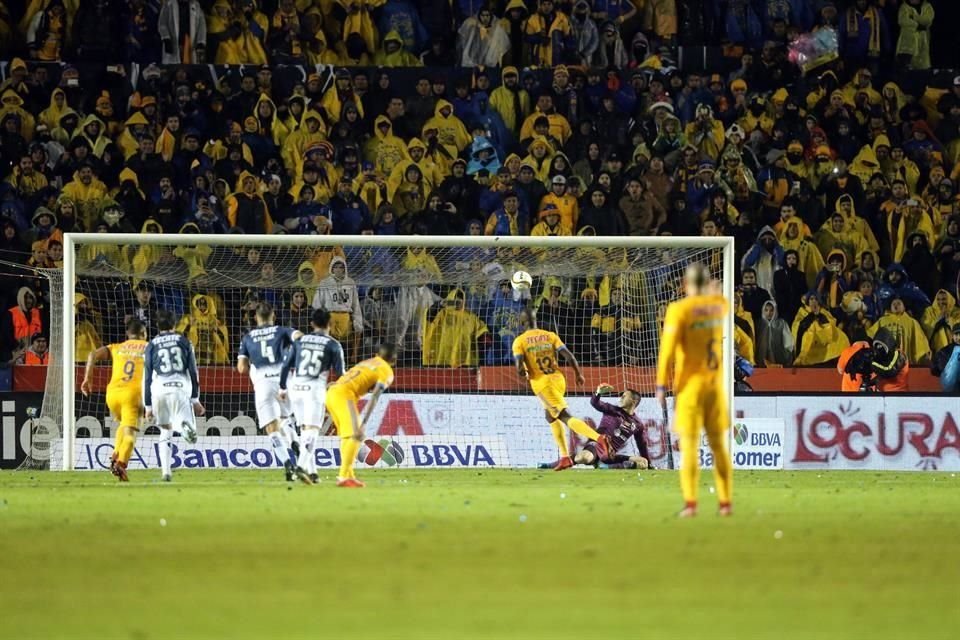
<point x="374" y="376"/>
<point x="171" y="388"/>
<point x="691" y="342"/>
<point x="619" y="425"/>
<point x="124" y="393"/>
<point x="311" y="359"/>
<point x="261" y="354"/>
<point x="536" y="353"/>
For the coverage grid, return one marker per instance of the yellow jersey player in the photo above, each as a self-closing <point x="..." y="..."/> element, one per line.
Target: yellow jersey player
<point x="537" y="353"/>
<point x="123" y="391"/>
<point x="692" y="343"/>
<point x="374" y="376"/>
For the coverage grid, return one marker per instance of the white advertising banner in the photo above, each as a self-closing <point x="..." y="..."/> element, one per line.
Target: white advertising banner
<point x="896" y="432"/>
<point x="460" y="430"/>
<point x="754" y="444"/>
<point x="447" y="452"/>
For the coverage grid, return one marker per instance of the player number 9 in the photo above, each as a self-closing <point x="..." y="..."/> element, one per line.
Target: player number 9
<point x="129" y="367"/>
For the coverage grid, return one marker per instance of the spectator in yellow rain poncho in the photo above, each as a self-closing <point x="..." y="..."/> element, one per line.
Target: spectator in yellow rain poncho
<point x="817" y="338"/>
<point x="452" y="337"/>
<point x="205" y="331"/>
<point x="913" y="341"/>
<point x="939" y="319"/>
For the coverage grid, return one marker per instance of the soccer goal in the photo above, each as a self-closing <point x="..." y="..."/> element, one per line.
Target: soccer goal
<point x="446" y="302"/>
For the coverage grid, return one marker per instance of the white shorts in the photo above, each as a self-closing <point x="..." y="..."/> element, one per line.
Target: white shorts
<point x="173" y="406"/>
<point x="269" y="406"/>
<point x="307" y="401"/>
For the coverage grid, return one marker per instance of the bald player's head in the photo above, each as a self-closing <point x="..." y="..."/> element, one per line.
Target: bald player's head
<point x="696" y="279"/>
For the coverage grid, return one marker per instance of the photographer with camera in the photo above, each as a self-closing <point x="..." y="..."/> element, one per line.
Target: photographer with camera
<point x="878" y="366"/>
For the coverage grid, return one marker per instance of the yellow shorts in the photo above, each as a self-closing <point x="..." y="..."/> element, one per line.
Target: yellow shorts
<point x="124" y="405"/>
<point x="341" y="326"/>
<point x="550" y="390"/>
<point x="342" y="407"/>
<point x="698" y="408"/>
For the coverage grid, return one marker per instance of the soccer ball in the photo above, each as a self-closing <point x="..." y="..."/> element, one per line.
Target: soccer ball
<point x="521" y="281"/>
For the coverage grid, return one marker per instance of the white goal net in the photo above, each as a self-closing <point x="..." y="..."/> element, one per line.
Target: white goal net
<point x="446" y="302"/>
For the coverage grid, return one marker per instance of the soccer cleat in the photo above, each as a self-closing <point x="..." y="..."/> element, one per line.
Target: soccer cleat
<point x="603" y="447"/>
<point x="688" y="511"/>
<point x="303" y="476"/>
<point x="564" y="463"/>
<point x="288" y="470"/>
<point x="114" y="465"/>
<point x="121" y="472"/>
<point x="189" y="433"/>
<point x="315" y="478"/>
<point x="166" y="478"/>
<point x="725" y="510"/>
<point x="350" y="482"/>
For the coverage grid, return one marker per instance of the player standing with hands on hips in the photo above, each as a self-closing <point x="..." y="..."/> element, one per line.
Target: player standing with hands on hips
<point x="171" y="388"/>
<point x="311" y="359"/>
<point x="692" y="342"/>
<point x="261" y="354"/>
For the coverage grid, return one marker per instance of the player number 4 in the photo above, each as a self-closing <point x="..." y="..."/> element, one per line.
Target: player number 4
<point x="266" y="352"/>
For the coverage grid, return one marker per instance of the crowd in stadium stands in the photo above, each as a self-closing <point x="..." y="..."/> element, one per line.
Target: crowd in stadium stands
<point x="838" y="180"/>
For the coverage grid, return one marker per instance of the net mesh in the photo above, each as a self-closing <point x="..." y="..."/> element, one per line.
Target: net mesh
<point x="457" y="400"/>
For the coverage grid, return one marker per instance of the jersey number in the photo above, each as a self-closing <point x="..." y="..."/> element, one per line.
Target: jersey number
<point x="310" y="362"/>
<point x="266" y="351"/>
<point x="547" y="365"/>
<point x="129" y="368"/>
<point x="713" y="362"/>
<point x="171" y="359"/>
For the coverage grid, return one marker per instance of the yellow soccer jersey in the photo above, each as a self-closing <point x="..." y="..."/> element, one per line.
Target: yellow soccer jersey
<point x="693" y="341"/>
<point x="539" y="349"/>
<point x="127" y="364"/>
<point x="364" y="376"/>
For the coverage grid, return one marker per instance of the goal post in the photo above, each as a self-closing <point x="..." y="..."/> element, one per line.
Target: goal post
<point x="440" y="297"/>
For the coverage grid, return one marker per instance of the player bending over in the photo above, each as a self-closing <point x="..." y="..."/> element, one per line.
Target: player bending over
<point x="619" y="425"/>
<point x="373" y="376"/>
<point x="171" y="388"/>
<point x="311" y="359"/>
<point x="536" y="353"/>
<point x="261" y="354"/>
<point x="124" y="394"/>
<point x="692" y="342"/>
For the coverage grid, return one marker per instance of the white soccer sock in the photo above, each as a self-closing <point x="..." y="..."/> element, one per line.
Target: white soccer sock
<point x="308" y="442"/>
<point x="288" y="431"/>
<point x="279" y="446"/>
<point x="166" y="451"/>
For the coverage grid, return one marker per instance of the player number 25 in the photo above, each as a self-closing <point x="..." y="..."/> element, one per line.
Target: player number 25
<point x="310" y="363"/>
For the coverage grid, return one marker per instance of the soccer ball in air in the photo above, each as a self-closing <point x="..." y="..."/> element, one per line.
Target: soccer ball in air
<point x="521" y="281"/>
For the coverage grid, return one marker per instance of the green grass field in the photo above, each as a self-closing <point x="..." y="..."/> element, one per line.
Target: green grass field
<point x="468" y="554"/>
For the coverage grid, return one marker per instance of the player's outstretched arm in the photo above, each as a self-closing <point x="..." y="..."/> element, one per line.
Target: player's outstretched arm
<point x="103" y="353"/>
<point x="573" y="362"/>
<point x="668" y="344"/>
